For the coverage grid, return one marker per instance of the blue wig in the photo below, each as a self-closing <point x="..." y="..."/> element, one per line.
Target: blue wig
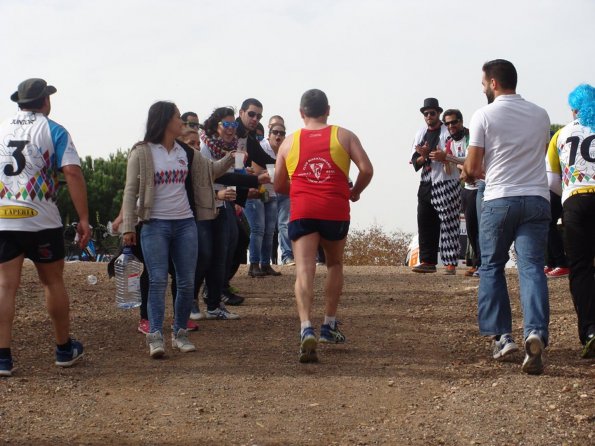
<point x="582" y="99"/>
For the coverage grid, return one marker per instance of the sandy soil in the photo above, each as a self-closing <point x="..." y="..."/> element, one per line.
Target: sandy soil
<point x="413" y="372"/>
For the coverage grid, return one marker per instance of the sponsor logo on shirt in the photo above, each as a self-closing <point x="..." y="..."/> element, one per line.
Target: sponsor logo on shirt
<point x="17" y="212"/>
<point x="317" y="170"/>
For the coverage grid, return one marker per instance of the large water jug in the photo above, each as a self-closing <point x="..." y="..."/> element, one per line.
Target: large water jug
<point x="128" y="270"/>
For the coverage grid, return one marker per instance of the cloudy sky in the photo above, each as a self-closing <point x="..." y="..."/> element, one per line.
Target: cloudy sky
<point x="376" y="60"/>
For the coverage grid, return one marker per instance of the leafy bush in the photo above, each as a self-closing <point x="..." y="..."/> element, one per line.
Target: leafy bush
<point x="373" y="246"/>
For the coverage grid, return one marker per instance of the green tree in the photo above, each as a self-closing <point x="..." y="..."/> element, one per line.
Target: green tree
<point x="555" y="127"/>
<point x="105" y="185"/>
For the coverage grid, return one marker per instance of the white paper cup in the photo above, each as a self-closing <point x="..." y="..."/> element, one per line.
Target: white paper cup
<point x="271" y="171"/>
<point x="239" y="160"/>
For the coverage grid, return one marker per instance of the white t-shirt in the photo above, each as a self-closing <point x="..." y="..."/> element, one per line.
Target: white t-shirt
<point x="514" y="134"/>
<point x="33" y="149"/>
<point x="171" y="170"/>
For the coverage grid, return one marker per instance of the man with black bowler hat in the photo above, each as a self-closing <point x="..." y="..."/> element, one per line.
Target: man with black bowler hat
<point x="438" y="194"/>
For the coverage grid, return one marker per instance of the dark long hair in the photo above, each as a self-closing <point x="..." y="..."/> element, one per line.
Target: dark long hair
<point x="212" y="121"/>
<point x="160" y="114"/>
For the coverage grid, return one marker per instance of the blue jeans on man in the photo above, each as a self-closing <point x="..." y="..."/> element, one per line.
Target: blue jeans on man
<point x="262" y="218"/>
<point x="523" y="220"/>
<point x="282" y="222"/>
<point x="162" y="240"/>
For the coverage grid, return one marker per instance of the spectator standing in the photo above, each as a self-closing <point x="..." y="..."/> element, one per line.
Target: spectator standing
<point x="438" y="197"/>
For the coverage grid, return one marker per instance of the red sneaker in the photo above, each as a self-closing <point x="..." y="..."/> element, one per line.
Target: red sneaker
<point x="548" y="269"/>
<point x="558" y="272"/>
<point x="191" y="325"/>
<point x="143" y="326"/>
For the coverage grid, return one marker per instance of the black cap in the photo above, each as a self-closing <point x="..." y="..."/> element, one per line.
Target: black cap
<point x="31" y="90"/>
<point x="431" y="103"/>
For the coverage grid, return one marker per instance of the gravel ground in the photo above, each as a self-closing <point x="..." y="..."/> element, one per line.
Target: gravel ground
<point x="414" y="371"/>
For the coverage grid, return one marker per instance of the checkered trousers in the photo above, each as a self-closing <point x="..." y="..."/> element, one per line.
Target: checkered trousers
<point x="446" y="199"/>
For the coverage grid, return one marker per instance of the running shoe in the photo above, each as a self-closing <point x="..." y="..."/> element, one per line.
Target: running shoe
<point x="504" y="347"/>
<point x="143" y="326"/>
<point x="180" y="341"/>
<point x="331" y="334"/>
<point x="308" y="346"/>
<point x="156" y="345"/>
<point x="67" y="358"/>
<point x="222" y="313"/>
<point x="589" y="348"/>
<point x="558" y="272"/>
<point x="534" y="346"/>
<point x="6" y="367"/>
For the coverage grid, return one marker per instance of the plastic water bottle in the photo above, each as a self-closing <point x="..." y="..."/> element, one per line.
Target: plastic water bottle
<point x="128" y="270"/>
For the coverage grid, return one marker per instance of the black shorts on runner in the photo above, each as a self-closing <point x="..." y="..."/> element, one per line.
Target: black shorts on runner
<point x="332" y="230"/>
<point x="44" y="246"/>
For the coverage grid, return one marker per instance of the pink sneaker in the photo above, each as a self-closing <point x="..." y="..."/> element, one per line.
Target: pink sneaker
<point x="143" y="326"/>
<point x="558" y="272"/>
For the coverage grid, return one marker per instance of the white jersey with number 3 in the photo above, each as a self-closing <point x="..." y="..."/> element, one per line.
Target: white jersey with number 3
<point x="33" y="149"/>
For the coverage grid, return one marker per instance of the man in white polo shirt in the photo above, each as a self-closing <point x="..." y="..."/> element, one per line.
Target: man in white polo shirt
<point x="508" y="137"/>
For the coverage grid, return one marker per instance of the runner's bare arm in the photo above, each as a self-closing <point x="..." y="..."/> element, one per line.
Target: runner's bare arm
<point x="360" y="158"/>
<point x="281" y="181"/>
<point x="78" y="194"/>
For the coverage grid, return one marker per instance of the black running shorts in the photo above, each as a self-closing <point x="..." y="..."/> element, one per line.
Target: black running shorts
<point x="44" y="246"/>
<point x="332" y="230"/>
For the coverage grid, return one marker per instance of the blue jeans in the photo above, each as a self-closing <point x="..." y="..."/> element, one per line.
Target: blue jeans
<point x="160" y="240"/>
<point x="282" y="221"/>
<point x="524" y="221"/>
<point x="262" y="218"/>
<point x="213" y="237"/>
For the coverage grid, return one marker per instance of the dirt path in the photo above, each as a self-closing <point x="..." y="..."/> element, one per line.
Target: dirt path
<point x="414" y="371"/>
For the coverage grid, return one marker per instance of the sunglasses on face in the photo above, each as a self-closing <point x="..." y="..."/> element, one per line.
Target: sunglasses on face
<point x="453" y="122"/>
<point x="253" y="114"/>
<point x="229" y="124"/>
<point x="430" y="113"/>
<point x="259" y="137"/>
<point x="278" y="132"/>
<point x="192" y="125"/>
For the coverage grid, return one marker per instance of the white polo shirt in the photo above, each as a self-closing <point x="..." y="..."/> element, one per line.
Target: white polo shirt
<point x="514" y="134"/>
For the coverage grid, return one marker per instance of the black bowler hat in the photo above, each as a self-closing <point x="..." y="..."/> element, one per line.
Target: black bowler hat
<point x="431" y="103"/>
<point x="31" y="90"/>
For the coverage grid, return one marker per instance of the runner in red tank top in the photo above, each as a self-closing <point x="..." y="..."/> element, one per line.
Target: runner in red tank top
<point x="315" y="161"/>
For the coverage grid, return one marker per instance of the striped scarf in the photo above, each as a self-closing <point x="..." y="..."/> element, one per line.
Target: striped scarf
<point x="217" y="146"/>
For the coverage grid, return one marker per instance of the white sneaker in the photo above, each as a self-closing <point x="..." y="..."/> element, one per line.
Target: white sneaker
<point x="504" y="347"/>
<point x="222" y="313"/>
<point x="181" y="341"/>
<point x="155" y="343"/>
<point x="533" y="363"/>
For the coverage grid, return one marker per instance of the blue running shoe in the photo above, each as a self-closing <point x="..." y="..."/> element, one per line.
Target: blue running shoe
<point x="331" y="335"/>
<point x="70" y="357"/>
<point x="6" y="367"/>
<point x="308" y="346"/>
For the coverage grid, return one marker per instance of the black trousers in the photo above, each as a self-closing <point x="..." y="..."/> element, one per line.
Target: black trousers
<point x="555" y="246"/>
<point x="469" y="203"/>
<point x="428" y="225"/>
<point x="579" y="240"/>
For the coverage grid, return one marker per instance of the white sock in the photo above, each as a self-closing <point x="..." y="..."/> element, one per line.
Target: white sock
<point x="330" y="320"/>
<point x="304" y="325"/>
